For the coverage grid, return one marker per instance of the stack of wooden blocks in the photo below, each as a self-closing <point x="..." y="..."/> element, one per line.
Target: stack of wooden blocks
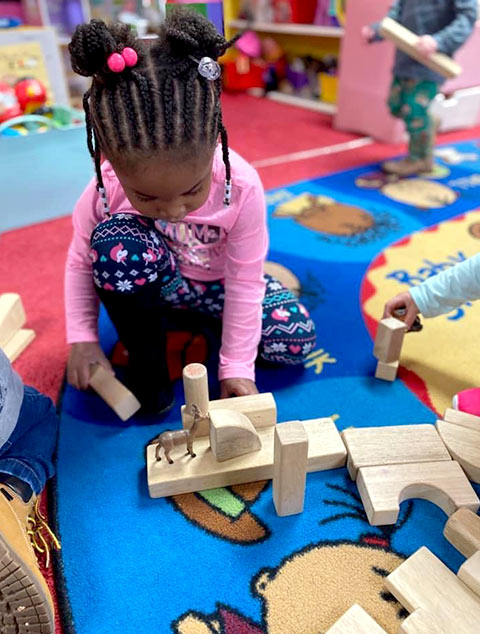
<point x="14" y="338"/>
<point x="388" y="347"/>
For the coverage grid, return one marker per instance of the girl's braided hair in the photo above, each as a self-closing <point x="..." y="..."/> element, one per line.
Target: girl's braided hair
<point x="162" y="103"/>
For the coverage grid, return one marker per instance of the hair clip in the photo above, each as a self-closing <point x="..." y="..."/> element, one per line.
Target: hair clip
<point x="103" y="196"/>
<point x="208" y="68"/>
<point x="227" y="198"/>
<point x="118" y="61"/>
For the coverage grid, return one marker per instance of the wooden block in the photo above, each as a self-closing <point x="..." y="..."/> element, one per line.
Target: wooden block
<point x="195" y="385"/>
<point x="455" y="417"/>
<point x="469" y="573"/>
<point x="12" y="316"/>
<point x="406" y="41"/>
<point x="232" y="435"/>
<point x="17" y="344"/>
<point x="424" y="583"/>
<point x="382" y="489"/>
<point x="121" y="400"/>
<point x="464" y="446"/>
<point x="389" y="340"/>
<point x="261" y="409"/>
<point x="401" y="444"/>
<point x="463" y="531"/>
<point x="356" y="621"/>
<point x="284" y="276"/>
<point x="325" y="451"/>
<point x="290" y="468"/>
<point x="386" y="371"/>
<point x="422" y="622"/>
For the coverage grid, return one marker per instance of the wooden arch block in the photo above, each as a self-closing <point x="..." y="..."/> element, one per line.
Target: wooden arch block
<point x="383" y="489"/>
<point x="424" y="583"/>
<point x="232" y="434"/>
<point x="463" y="531"/>
<point x="464" y="446"/>
<point x="356" y="621"/>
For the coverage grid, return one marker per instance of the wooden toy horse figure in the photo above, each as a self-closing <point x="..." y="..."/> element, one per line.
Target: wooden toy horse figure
<point x="170" y="439"/>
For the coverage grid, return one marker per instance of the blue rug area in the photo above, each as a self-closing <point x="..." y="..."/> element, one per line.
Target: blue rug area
<point x="222" y="561"/>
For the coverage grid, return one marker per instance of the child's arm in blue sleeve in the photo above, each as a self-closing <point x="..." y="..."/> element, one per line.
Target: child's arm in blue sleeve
<point x="453" y="36"/>
<point x="449" y="289"/>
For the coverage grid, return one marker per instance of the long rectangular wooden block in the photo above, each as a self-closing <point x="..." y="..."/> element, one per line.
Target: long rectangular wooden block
<point x="382" y="489"/>
<point x="462" y="419"/>
<point x="12" y="316"/>
<point x="325" y="451"/>
<point x="290" y="468"/>
<point x="406" y="41"/>
<point x="17" y="344"/>
<point x="423" y="582"/>
<point x="261" y="409"/>
<point x="356" y="621"/>
<point x="115" y="394"/>
<point x="389" y="340"/>
<point x="422" y="622"/>
<point x="400" y="444"/>
<point x="387" y="371"/>
<point x="469" y="573"/>
<point x="463" y="531"/>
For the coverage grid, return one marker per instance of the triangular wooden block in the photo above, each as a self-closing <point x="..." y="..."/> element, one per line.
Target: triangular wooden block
<point x="464" y="446"/>
<point x="356" y="621"/>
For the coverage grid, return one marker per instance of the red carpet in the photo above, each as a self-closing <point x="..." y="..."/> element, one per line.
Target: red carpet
<point x="32" y="259"/>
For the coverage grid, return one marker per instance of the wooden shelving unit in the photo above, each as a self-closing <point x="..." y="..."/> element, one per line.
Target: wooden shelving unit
<point x="289" y="29"/>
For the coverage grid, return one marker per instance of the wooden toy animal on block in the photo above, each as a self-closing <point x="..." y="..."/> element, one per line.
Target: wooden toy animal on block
<point x="382" y="489"/>
<point x="388" y="347"/>
<point x="400" y="444"/>
<point x="123" y="402"/>
<point x="407" y="41"/>
<point x="424" y="583"/>
<point x="356" y="621"/>
<point x="13" y="337"/>
<point x="463" y="531"/>
<point x="170" y="439"/>
<point x="290" y="468"/>
<point x="232" y="434"/>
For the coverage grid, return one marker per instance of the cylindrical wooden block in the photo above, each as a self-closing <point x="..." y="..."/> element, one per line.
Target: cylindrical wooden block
<point x="195" y="385"/>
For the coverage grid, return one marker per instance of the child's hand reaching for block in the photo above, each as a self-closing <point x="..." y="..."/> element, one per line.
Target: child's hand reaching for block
<point x="82" y="356"/>
<point x="402" y="301"/>
<point x="237" y="387"/>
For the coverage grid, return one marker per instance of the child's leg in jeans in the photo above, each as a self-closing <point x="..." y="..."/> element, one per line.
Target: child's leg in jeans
<point x="288" y="332"/>
<point x="27" y="457"/>
<point x="136" y="277"/>
<point x="420" y="124"/>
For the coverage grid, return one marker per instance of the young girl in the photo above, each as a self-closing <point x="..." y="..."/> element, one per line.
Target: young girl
<point x="439" y="295"/>
<point x="174" y="222"/>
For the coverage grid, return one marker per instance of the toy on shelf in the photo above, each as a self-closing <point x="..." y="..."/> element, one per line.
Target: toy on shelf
<point x="325" y="447"/>
<point x="31" y="94"/>
<point x="14" y="338"/>
<point x="9" y="106"/>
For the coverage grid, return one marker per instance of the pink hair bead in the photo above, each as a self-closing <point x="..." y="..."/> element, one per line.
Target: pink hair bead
<point x="130" y="56"/>
<point x="116" y="63"/>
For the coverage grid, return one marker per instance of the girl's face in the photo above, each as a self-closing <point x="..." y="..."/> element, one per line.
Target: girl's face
<point x="166" y="189"/>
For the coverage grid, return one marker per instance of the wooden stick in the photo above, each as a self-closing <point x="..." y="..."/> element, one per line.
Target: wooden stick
<point x="407" y="41"/>
<point x="123" y="402"/>
<point x="12" y="316"/>
<point x="195" y="385"/>
<point x="290" y="468"/>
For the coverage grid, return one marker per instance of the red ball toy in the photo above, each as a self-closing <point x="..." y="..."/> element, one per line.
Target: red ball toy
<point x="9" y="106"/>
<point x="31" y="94"/>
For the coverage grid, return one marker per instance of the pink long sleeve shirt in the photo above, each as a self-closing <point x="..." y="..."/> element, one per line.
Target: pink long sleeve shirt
<point x="212" y="243"/>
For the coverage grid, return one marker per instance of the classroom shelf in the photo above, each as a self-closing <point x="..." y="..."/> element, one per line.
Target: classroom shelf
<point x="292" y="29"/>
<point x="303" y="102"/>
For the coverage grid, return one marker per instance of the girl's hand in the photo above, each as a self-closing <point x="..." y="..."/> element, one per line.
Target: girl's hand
<point x="82" y="356"/>
<point x="237" y="387"/>
<point x="368" y="34"/>
<point x="405" y="301"/>
<point x="427" y="45"/>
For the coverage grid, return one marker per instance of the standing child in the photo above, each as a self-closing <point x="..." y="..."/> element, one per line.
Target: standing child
<point x="174" y="222"/>
<point x="439" y="295"/>
<point x="443" y="26"/>
<point x="28" y="434"/>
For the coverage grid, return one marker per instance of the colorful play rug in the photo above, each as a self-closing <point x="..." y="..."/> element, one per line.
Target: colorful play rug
<point x="221" y="561"/>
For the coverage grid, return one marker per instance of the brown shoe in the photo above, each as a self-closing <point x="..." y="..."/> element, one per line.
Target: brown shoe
<point x="26" y="606"/>
<point x="408" y="167"/>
